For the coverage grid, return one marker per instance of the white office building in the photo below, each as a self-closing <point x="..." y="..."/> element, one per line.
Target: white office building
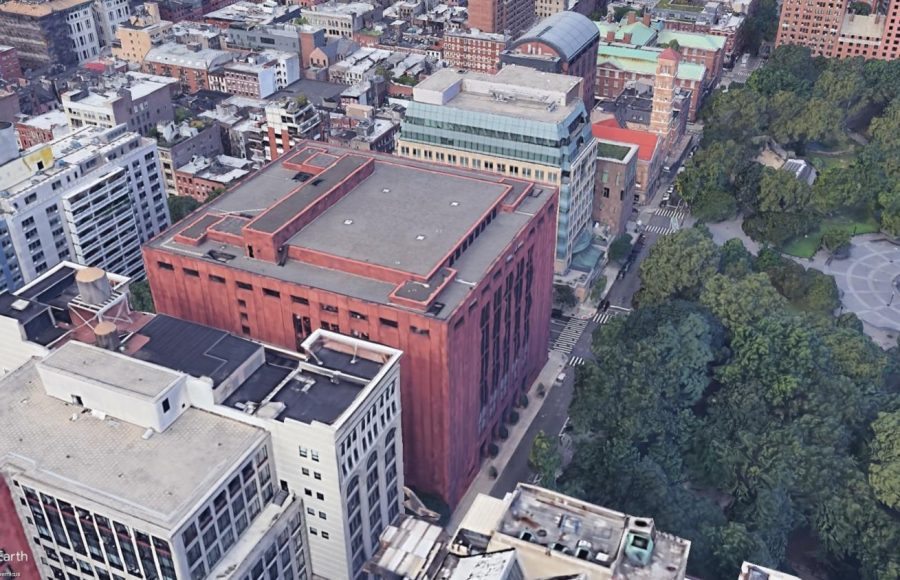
<point x="93" y="196"/>
<point x="325" y="424"/>
<point x="109" y="14"/>
<point x="115" y="475"/>
<point x="83" y="32"/>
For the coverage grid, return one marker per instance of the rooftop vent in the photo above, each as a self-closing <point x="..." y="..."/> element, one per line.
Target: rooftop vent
<point x="385" y="190"/>
<point x="348" y="222"/>
<point x="454" y="204"/>
<point x="420" y="237"/>
<point x="20" y="305"/>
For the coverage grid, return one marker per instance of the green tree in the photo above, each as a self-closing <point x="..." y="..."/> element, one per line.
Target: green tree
<point x="544" y="458"/>
<point x="564" y="295"/>
<point x="180" y="206"/>
<point x="620" y="248"/>
<point x="780" y="191"/>
<point x="742" y="302"/>
<point x="884" y="469"/>
<point x="735" y="260"/>
<point x="677" y="266"/>
<point x="140" y="298"/>
<point x="834" y="240"/>
<point x="845" y="189"/>
<point x="860" y="8"/>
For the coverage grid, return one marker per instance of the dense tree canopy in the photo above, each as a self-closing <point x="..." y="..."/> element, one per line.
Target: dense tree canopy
<point x="804" y="104"/>
<point x="733" y="408"/>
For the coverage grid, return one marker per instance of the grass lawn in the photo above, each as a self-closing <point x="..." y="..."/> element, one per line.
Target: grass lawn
<point x="807" y="246"/>
<point x="821" y="163"/>
<point x="679" y="5"/>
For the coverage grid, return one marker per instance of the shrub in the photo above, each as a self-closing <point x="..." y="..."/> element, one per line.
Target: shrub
<point x="523" y="401"/>
<point x="493" y="450"/>
<point x="503" y="432"/>
<point x="492" y="472"/>
<point x="513" y="418"/>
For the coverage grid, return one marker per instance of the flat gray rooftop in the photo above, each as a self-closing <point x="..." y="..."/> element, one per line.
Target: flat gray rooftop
<point x="111" y="369"/>
<point x="384" y="228"/>
<point x="108" y="461"/>
<point x="402" y="218"/>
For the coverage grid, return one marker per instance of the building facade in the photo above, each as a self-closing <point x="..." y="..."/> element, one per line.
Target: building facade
<point x="474" y="50"/>
<point x="141" y="32"/>
<point x="511" y="17"/>
<point x="190" y="64"/>
<point x="565" y="43"/>
<point x="138" y="101"/>
<point x="10" y="67"/>
<point x="178" y="144"/>
<point x="448" y="265"/>
<point x="340" y="20"/>
<point x="614" y="190"/>
<point x="289" y="121"/>
<point x="42" y="129"/>
<point x="830" y="29"/>
<point x="53" y="32"/>
<point x="517" y="123"/>
<point x="93" y="196"/>
<point x="101" y="516"/>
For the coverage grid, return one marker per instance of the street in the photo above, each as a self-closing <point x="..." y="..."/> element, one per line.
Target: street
<point x="573" y="337"/>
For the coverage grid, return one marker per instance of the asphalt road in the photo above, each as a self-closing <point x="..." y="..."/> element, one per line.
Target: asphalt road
<point x="555" y="410"/>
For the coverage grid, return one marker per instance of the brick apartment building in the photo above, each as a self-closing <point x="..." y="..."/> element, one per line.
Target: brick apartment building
<point x="565" y="43"/>
<point x="10" y="68"/>
<point x="454" y="267"/>
<point x="190" y="64"/>
<point x="474" y="50"/>
<point x="829" y="29"/>
<point x="512" y="17"/>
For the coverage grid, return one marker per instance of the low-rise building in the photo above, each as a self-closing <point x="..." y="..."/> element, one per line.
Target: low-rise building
<point x="250" y="14"/>
<point x="474" y="50"/>
<point x="341" y="19"/>
<point x="648" y="165"/>
<point x="179" y="143"/>
<point x="93" y="196"/>
<point x="619" y="67"/>
<point x="532" y="533"/>
<point x="289" y="121"/>
<point x="259" y="75"/>
<point x="614" y="188"/>
<point x="189" y="64"/>
<point x="42" y="129"/>
<point x="203" y="177"/>
<point x="141" y="32"/>
<point x="251" y="36"/>
<point x="137" y="100"/>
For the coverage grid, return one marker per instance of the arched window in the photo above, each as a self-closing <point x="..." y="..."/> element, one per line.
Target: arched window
<point x="373" y="459"/>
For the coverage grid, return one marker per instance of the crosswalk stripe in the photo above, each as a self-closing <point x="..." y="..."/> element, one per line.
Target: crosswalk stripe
<point x="576" y="361"/>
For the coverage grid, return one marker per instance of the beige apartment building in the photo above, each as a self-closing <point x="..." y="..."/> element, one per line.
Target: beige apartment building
<point x="143" y="31"/>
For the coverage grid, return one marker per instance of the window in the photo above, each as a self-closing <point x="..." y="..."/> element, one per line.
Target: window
<point x="216" y="279"/>
<point x="324" y="535"/>
<point x="244" y="286"/>
<point x="314" y="455"/>
<point x="165" y="266"/>
<point x="386" y="322"/>
<point x="329" y="308"/>
<point x="166" y="406"/>
<point x="272" y="293"/>
<point x="303" y="452"/>
<point x="191" y="273"/>
<point x="358" y="315"/>
<point x="317" y="475"/>
<point x="299" y="300"/>
<point x="305" y="471"/>
<point x="320" y="496"/>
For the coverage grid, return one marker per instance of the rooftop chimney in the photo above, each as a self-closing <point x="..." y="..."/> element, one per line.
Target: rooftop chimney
<point x="627" y="38"/>
<point x="632" y="17"/>
<point x="646" y="18"/>
<point x="610" y="36"/>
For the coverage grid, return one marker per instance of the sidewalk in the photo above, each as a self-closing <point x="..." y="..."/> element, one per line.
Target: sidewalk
<point x="483" y="482"/>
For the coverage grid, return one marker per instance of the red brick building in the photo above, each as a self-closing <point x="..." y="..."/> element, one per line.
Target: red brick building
<point x="10" y="69"/>
<point x="829" y="29"/>
<point x="565" y="43"/>
<point x="453" y="267"/>
<point x="501" y="16"/>
<point x="41" y="129"/>
<point x="475" y="50"/>
<point x="13" y="541"/>
<point x="190" y="64"/>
